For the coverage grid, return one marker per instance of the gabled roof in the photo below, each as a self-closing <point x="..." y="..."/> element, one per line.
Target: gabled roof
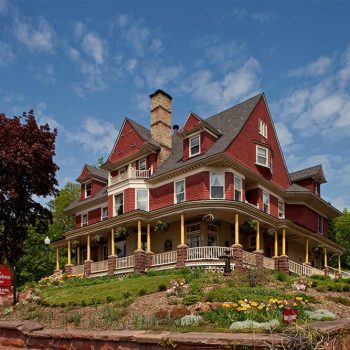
<point x="314" y="172"/>
<point x="297" y="188"/>
<point x="228" y="122"/>
<point x="144" y="133"/>
<point x="94" y="172"/>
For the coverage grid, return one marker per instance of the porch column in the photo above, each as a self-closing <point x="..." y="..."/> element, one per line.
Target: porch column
<point x="69" y="266"/>
<point x="149" y="253"/>
<point x="306" y="252"/>
<point x="236" y="229"/>
<point x="237" y="249"/>
<point x="257" y="235"/>
<point x="325" y="257"/>
<point x="78" y="255"/>
<point x="182" y="240"/>
<point x="275" y="251"/>
<point x="284" y="242"/>
<point x="87" y="262"/>
<point x="139" y="255"/>
<point x="57" y="261"/>
<point x="283" y="261"/>
<point x="112" y="259"/>
<point x="182" y="248"/>
<point x="339" y="264"/>
<point x="259" y="258"/>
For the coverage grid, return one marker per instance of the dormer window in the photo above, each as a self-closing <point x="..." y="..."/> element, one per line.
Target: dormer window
<point x="88" y="190"/>
<point x="84" y="220"/>
<point x="262" y="156"/>
<point x="262" y="128"/>
<point x="195" y="146"/>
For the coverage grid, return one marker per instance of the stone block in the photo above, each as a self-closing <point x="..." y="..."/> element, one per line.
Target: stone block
<point x="149" y="259"/>
<point x="87" y="267"/>
<point x="112" y="264"/>
<point x="259" y="259"/>
<point x="181" y="256"/>
<point x="68" y="269"/>
<point x="283" y="263"/>
<point x="237" y="252"/>
<point x="139" y="261"/>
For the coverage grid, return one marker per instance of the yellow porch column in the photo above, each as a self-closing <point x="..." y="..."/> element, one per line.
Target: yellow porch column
<point x="69" y="255"/>
<point x="284" y="242"/>
<point x="257" y="235"/>
<point x="148" y="237"/>
<point x="325" y="257"/>
<point x="57" y="259"/>
<point x="236" y="229"/>
<point x="78" y="255"/>
<point x="276" y="244"/>
<point x="88" y="255"/>
<point x="139" y="233"/>
<point x="112" y="242"/>
<point x="182" y="238"/>
<point x="339" y="264"/>
<point x="306" y="251"/>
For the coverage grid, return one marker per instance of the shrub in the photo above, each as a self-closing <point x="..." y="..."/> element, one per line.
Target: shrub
<point x="76" y="318"/>
<point x="83" y="303"/>
<point x="126" y="295"/>
<point x="340" y="300"/>
<point x="190" y="320"/>
<point x="322" y="289"/>
<point x="110" y="314"/>
<point x="255" y="277"/>
<point x="142" y="292"/>
<point x="190" y="299"/>
<point x="109" y="299"/>
<point x="251" y="325"/>
<point x="281" y="276"/>
<point x="162" y="287"/>
<point x="321" y="315"/>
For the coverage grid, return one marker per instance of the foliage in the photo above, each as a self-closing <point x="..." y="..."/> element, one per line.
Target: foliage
<point x="340" y="300"/>
<point x="161" y="225"/>
<point x="321" y="315"/>
<point x="253" y="325"/>
<point x="190" y="320"/>
<point x="120" y="231"/>
<point x="324" y="284"/>
<point x="27" y="169"/>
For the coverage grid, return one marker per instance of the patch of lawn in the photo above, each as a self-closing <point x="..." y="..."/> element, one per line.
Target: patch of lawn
<point x="108" y="289"/>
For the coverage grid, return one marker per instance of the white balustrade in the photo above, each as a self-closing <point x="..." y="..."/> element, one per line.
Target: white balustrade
<point x="304" y="270"/>
<point x="131" y="173"/>
<point x="269" y="263"/>
<point x="99" y="266"/>
<point x="204" y="253"/>
<point x="127" y="261"/>
<point x="78" y="270"/>
<point x="164" y="258"/>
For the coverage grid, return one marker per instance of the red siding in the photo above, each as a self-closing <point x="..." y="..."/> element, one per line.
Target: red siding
<point x="192" y="121"/>
<point x="129" y="200"/>
<point x="274" y="206"/>
<point x="84" y="174"/>
<point x="243" y="147"/>
<point x="206" y="141"/>
<point x="254" y="197"/>
<point x="96" y="186"/>
<point x="82" y="192"/>
<point x="128" y="143"/>
<point x="94" y="216"/>
<point x="325" y="227"/>
<point x="78" y="221"/>
<point x="307" y="183"/>
<point x="302" y="215"/>
<point x="161" y="196"/>
<point x="228" y="186"/>
<point x="186" y="152"/>
<point x="197" y="186"/>
<point x="151" y="159"/>
<point x="110" y="206"/>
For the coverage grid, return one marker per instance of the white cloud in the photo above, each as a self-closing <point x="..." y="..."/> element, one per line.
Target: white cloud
<point x="73" y="54"/>
<point x="284" y="135"/>
<point x="46" y="74"/>
<point x="43" y="117"/>
<point x="157" y="76"/>
<point x="6" y="54"/>
<point x="238" y="14"/>
<point x="131" y="64"/>
<point x="36" y="36"/>
<point x="313" y="69"/>
<point x="262" y="17"/>
<point x="94" y="47"/>
<point x="142" y="102"/>
<point x="94" y="135"/>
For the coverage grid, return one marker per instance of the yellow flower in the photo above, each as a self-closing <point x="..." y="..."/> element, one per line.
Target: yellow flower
<point x="225" y="305"/>
<point x="234" y="305"/>
<point x="260" y="307"/>
<point x="254" y="303"/>
<point x="299" y="298"/>
<point x="248" y="306"/>
<point x="241" y="302"/>
<point x="295" y="304"/>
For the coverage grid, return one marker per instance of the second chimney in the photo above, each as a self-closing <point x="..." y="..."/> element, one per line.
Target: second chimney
<point x="161" y="122"/>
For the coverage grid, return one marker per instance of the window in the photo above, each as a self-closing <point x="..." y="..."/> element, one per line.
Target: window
<point x="88" y="190"/>
<point x="266" y="202"/>
<point x="105" y="252"/>
<point x="213" y="231"/>
<point x="320" y="224"/>
<point x="104" y="213"/>
<point x="252" y="242"/>
<point x="120" y="249"/>
<point x="194" y="145"/>
<point x="118" y="204"/>
<point x="179" y="191"/>
<point x="122" y="170"/>
<point x="193" y="235"/>
<point x="216" y="185"/>
<point x="84" y="220"/>
<point x="142" y="164"/>
<point x="262" y="128"/>
<point x="280" y="209"/>
<point x="142" y="199"/>
<point x="262" y="156"/>
<point x="238" y="188"/>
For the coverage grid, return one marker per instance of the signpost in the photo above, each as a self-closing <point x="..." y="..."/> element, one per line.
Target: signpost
<point x="5" y="280"/>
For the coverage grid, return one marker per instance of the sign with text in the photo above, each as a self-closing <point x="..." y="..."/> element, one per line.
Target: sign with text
<point x="5" y="280"/>
<point x="290" y="315"/>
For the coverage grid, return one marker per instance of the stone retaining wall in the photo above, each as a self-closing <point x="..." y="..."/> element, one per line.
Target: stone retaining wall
<point x="31" y="335"/>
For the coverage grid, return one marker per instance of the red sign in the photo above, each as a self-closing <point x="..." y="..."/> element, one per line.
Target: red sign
<point x="5" y="280"/>
<point x="290" y="315"/>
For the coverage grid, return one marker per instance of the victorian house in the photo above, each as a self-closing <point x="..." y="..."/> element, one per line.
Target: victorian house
<point x="171" y="196"/>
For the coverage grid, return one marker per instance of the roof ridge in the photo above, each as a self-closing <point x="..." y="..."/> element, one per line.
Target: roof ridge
<point x="310" y="167"/>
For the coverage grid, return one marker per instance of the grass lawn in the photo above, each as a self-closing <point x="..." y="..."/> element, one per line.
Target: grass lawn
<point x="101" y="290"/>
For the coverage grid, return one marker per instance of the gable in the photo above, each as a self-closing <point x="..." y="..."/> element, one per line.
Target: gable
<point x="84" y="175"/>
<point x="191" y="122"/>
<point x="243" y="147"/>
<point x="127" y="143"/>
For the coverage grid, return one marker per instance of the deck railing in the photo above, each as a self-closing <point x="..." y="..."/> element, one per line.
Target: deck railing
<point x="303" y="270"/>
<point x="164" y="258"/>
<point x="126" y="262"/>
<point x="131" y="173"/>
<point x="332" y="272"/>
<point x="99" y="266"/>
<point x="205" y="253"/>
<point x="78" y="270"/>
<point x="249" y="258"/>
<point x="269" y="263"/>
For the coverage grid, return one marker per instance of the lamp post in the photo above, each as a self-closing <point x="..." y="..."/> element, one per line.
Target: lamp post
<point x="47" y="243"/>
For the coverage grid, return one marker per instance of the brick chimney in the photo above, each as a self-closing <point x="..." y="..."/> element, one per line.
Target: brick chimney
<point x="161" y="122"/>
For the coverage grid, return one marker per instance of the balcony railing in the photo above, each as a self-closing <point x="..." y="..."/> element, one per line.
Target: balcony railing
<point x="165" y="258"/>
<point x="205" y="253"/>
<point x="126" y="262"/>
<point x="132" y="174"/>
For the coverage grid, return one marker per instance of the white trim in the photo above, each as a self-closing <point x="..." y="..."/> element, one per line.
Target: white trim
<point x="81" y="219"/>
<point x="265" y="190"/>
<point x="234" y="187"/>
<point x="88" y="182"/>
<point x="190" y="155"/>
<point x="114" y="211"/>
<point x="142" y="189"/>
<point x="223" y="185"/>
<point x="267" y="156"/>
<point x="104" y="207"/>
<point x="263" y="203"/>
<point x="197" y="132"/>
<point x="263" y="128"/>
<point x="175" y="198"/>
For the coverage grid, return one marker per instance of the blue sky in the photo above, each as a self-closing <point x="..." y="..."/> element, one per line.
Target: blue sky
<point x="85" y="65"/>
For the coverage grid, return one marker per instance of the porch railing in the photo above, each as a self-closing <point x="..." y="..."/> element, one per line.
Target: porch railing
<point x="126" y="262"/>
<point x="164" y="258"/>
<point x="269" y="263"/>
<point x="249" y="258"/>
<point x="78" y="270"/>
<point x="131" y="173"/>
<point x="204" y="253"/>
<point x="335" y="272"/>
<point x="303" y="270"/>
<point x="99" y="266"/>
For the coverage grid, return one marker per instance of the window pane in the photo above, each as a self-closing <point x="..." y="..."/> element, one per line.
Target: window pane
<point x="217" y="179"/>
<point x="262" y="152"/>
<point x="180" y="187"/>
<point x="142" y="164"/>
<point x="142" y="200"/>
<point x="194" y="145"/>
<point x="180" y="197"/>
<point x="217" y="192"/>
<point x="195" y="141"/>
<point x="119" y="204"/>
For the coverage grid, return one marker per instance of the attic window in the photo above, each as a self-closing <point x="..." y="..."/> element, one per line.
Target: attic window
<point x="88" y="190"/>
<point x="195" y="146"/>
<point x="262" y="128"/>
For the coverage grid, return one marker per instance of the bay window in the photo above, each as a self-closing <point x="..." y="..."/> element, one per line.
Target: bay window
<point x="216" y="186"/>
<point x="262" y="156"/>
<point x="266" y="202"/>
<point x="179" y="191"/>
<point x="238" y="188"/>
<point x="118" y="204"/>
<point x="142" y="199"/>
<point x="281" y="210"/>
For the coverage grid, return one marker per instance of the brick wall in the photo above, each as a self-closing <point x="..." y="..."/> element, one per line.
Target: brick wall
<point x="302" y="215"/>
<point x="78" y="221"/>
<point x="197" y="186"/>
<point x="243" y="147"/>
<point x="129" y="200"/>
<point x="161" y="196"/>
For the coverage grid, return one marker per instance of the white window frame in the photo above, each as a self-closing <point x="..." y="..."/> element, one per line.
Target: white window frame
<point x="252" y="242"/>
<point x="240" y="190"/>
<point x="82" y="221"/>
<point x="262" y="128"/>
<point x="114" y="203"/>
<point x="142" y="189"/>
<point x="88" y="183"/>
<point x="281" y="213"/>
<point x="190" y="147"/>
<point x="223" y="184"/>
<point x="267" y="156"/>
<point x="104" y="217"/>
<point x="195" y="233"/>
<point x="184" y="192"/>
<point x="266" y="195"/>
<point x="320" y="220"/>
<point x="141" y="161"/>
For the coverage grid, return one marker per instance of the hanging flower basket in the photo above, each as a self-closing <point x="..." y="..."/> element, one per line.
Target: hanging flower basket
<point x="161" y="226"/>
<point x="317" y="249"/>
<point x="75" y="243"/>
<point x="209" y="218"/>
<point x="96" y="238"/>
<point x="249" y="225"/>
<point x="120" y="231"/>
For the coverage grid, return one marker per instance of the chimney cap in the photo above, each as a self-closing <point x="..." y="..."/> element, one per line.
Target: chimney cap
<point x="176" y="127"/>
<point x="159" y="91"/>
